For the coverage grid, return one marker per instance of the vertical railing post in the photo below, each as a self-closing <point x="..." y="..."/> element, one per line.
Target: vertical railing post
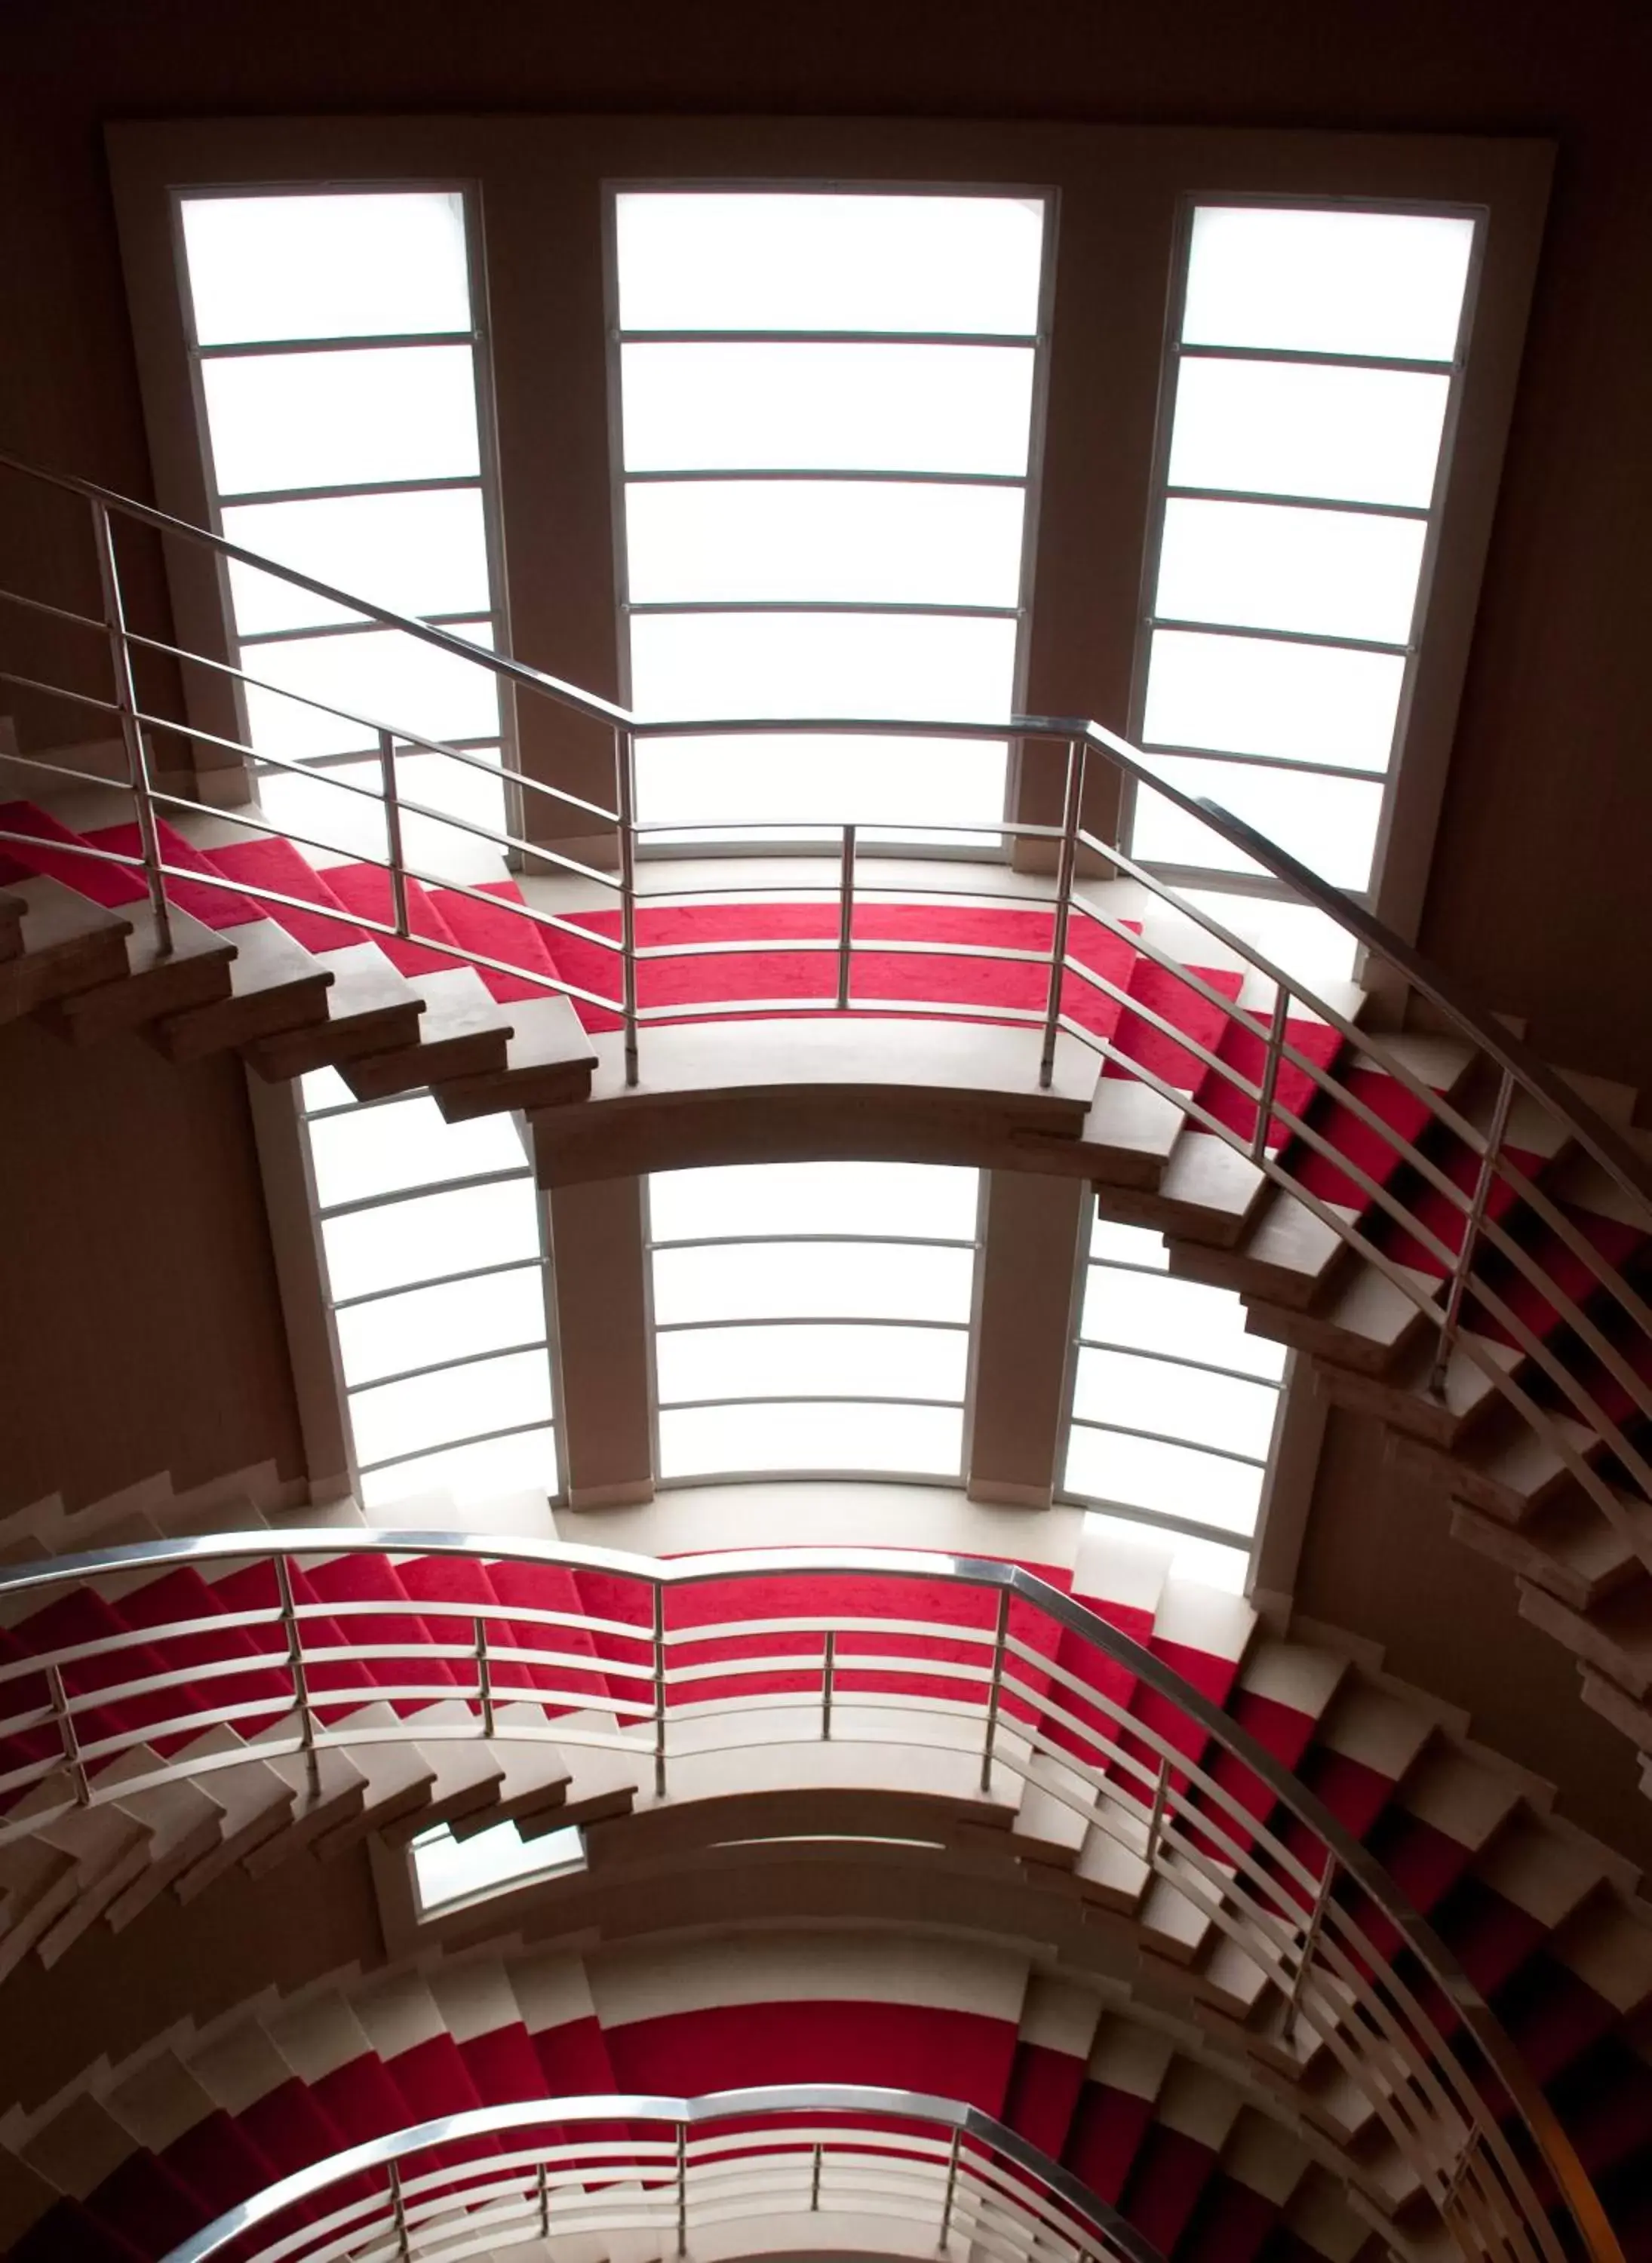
<point x="995" y="1689"/>
<point x="1161" y="1800"/>
<point x="131" y="729"/>
<point x="398" y="2208"/>
<point x="625" y="805"/>
<point x="828" y="1662"/>
<point x="1270" y="1074"/>
<point x="814" y="2184"/>
<point x="1066" y="865"/>
<point x="393" y="830"/>
<point x="545" y="2202"/>
<point x="1452" y="1318"/>
<point x="484" y="1675"/>
<point x="845" y="917"/>
<point x="951" y="2191"/>
<point x="64" y="1720"/>
<point x="296" y="1668"/>
<point x="1310" y="1942"/>
<point x="682" y="2188"/>
<point x="659" y="1689"/>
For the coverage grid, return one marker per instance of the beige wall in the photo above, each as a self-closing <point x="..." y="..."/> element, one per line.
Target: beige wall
<point x="139" y="1328"/>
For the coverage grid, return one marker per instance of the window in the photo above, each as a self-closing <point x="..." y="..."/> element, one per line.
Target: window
<point x="435" y="1263"/>
<point x="338" y="356"/>
<point x="812" y="1317"/>
<point x="1311" y="382"/>
<point x="449" y="1873"/>
<point x="1173" y="1404"/>
<point x="826" y="439"/>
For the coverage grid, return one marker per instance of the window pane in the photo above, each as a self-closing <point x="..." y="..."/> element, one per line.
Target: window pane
<point x="739" y="1363"/>
<point x="826" y="407"/>
<point x="1183" y="1317"/>
<point x="1176" y="1480"/>
<point x="345" y="419"/>
<point x="1387" y="284"/>
<point x="435" y="782"/>
<point x="931" y="1200"/>
<point x="383" y="675"/>
<point x="390" y="1337"/>
<point x="416" y="554"/>
<point x="783" y="1279"/>
<point x="920" y="784"/>
<point x="525" y="1462"/>
<point x="822" y="262"/>
<point x="1181" y="1402"/>
<point x="373" y="1150"/>
<point x="449" y="1870"/>
<point x="897" y="1441"/>
<point x="1129" y="1245"/>
<point x="1328" y="824"/>
<point x="490" y="1394"/>
<point x="352" y="265"/>
<point x="1327" y="573"/>
<point x="1290" y="428"/>
<point x="825" y="664"/>
<point x="857" y="541"/>
<point x="1248" y="695"/>
<point x="432" y="1235"/>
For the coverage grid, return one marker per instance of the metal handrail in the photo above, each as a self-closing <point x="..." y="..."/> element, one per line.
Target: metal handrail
<point x="1035" y="1719"/>
<point x="1558" y="1397"/>
<point x="657" y="2177"/>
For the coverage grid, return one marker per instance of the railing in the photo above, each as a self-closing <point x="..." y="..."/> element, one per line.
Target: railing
<point x="993" y="1674"/>
<point x="1583" y="1383"/>
<point x="810" y="2166"/>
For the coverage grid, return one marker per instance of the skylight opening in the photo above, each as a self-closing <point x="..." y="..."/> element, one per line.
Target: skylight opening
<point x="1310" y="387"/>
<point x="339" y="360"/>
<point x="812" y="1318"/>
<point x="826" y="448"/>
<point x="1173" y="1405"/>
<point x="449" y="1873"/>
<point x="433" y="1248"/>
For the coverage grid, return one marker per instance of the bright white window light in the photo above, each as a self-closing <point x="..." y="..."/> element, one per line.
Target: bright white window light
<point x="1293" y="527"/>
<point x="812" y="1317"/>
<point x="840" y="334"/>
<point x="307" y="266"/>
<point x="1173" y="1404"/>
<point x="449" y="1871"/>
<point x="423" y="550"/>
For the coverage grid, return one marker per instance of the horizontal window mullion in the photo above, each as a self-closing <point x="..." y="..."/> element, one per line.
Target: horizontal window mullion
<point x="761" y="1241"/>
<point x="239" y="348"/>
<point x="1179" y="1359"/>
<point x="821" y="605"/>
<point x="453" y="1445"/>
<point x="343" y="755"/>
<point x="471" y="619"/>
<point x="1163" y="1438"/>
<point x="778" y="474"/>
<point x="1266" y="761"/>
<point x="444" y="1366"/>
<point x="1163" y="1520"/>
<point x="1280" y="636"/>
<point x="808" y="1399"/>
<point x="809" y="1320"/>
<point x="1201" y="352"/>
<point x="1023" y="339"/>
<point x="242" y="497"/>
<point x="1129" y="1265"/>
<point x="436" y="1281"/>
<point x="426" y="1186"/>
<point x="1176" y="494"/>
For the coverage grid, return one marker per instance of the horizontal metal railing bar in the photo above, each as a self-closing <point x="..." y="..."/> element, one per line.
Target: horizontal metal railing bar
<point x="1116" y="2234"/>
<point x="750" y="475"/>
<point x="1272" y="497"/>
<point x="1169" y="1438"/>
<point x="1204" y="351"/>
<point x="1172" y="751"/>
<point x="237" y="348"/>
<point x="974" y="1571"/>
<point x="246" y="498"/>
<point x="648" y="607"/>
<point x="891" y="946"/>
<point x="1180" y="1359"/>
<point x="54" y="612"/>
<point x="362" y="757"/>
<point x="755" y="337"/>
<point x="997" y="828"/>
<point x="442" y="1366"/>
<point x="473" y="616"/>
<point x="1276" y="635"/>
<point x="725" y="1009"/>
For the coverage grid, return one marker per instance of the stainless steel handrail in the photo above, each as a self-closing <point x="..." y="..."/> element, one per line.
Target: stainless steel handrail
<point x="852" y="2111"/>
<point x="1275" y="1903"/>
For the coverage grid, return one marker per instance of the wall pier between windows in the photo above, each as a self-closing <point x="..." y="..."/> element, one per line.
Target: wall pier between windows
<point x="599" y="1288"/>
<point x="1036" y="1228"/>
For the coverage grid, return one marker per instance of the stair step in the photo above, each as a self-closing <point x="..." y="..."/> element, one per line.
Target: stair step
<point x="1129" y="1134"/>
<point x="1615" y="1636"/>
<point x="1407" y="1400"/>
<point x="194" y="972"/>
<point x="1570" y="1548"/>
<point x="1370" y="1320"/>
<point x="12" y="909"/>
<point x="69" y="943"/>
<point x="370" y="1008"/>
<point x="1209" y="1193"/>
<point x="549" y="1059"/>
<point x="275" y="984"/>
<point x="462" y="1032"/>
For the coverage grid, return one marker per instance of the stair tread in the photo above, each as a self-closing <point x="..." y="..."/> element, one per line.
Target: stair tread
<point x="462" y="1031"/>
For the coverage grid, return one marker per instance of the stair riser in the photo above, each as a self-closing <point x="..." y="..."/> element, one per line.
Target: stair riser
<point x="1337" y="1347"/>
<point x="242" y="1021"/>
<point x="28" y="984"/>
<point x="93" y="1015"/>
<point x="331" y="1043"/>
<point x="380" y="1076"/>
<point x="462" y="1099"/>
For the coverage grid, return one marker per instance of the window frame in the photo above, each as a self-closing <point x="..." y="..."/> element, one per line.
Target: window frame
<point x="995" y="849"/>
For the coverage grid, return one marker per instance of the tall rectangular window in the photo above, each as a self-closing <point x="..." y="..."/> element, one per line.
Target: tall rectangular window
<point x="338" y="352"/>
<point x="434" y="1251"/>
<point x="1313" y="371"/>
<point x="1173" y="1404"/>
<point x="828" y="415"/>
<point x="813" y="1318"/>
